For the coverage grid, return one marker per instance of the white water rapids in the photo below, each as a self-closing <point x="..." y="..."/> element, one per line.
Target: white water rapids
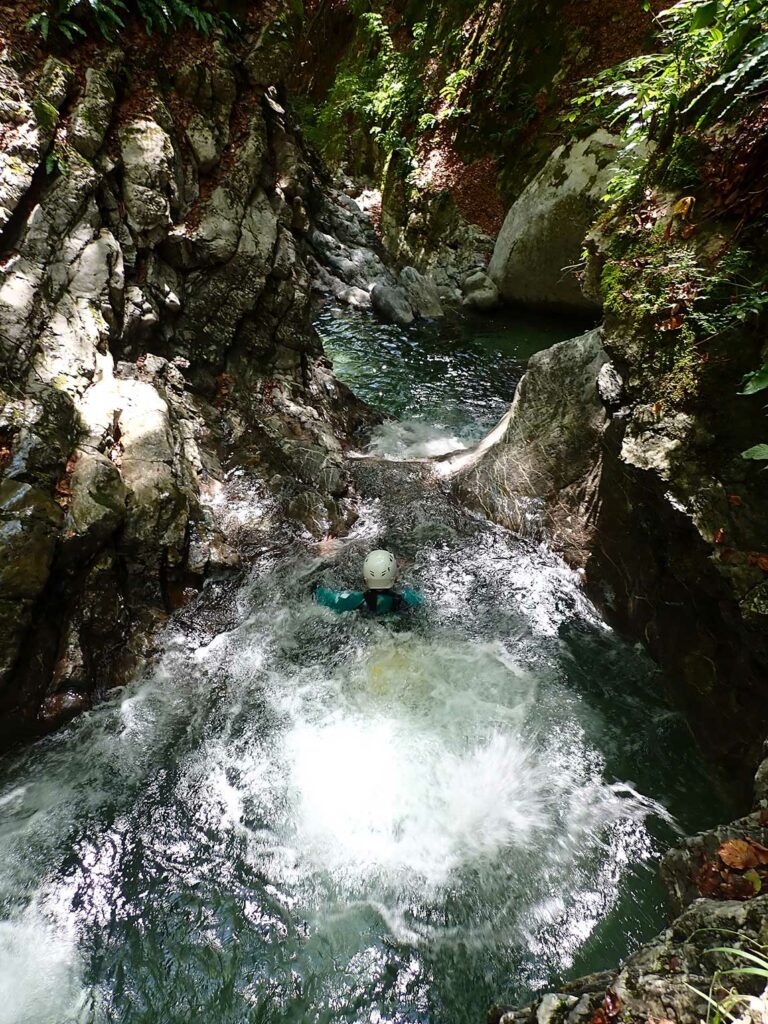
<point x="303" y="817"/>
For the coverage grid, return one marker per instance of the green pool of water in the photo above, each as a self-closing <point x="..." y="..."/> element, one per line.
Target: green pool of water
<point x="300" y="817"/>
<point x="459" y="375"/>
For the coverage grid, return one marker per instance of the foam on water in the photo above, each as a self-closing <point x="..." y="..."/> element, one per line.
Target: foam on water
<point x="303" y="817"/>
<point x="368" y="779"/>
<point x="40" y="972"/>
<point x="412" y="439"/>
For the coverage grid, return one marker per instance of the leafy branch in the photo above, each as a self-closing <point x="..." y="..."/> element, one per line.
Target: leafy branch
<point x="72" y="18"/>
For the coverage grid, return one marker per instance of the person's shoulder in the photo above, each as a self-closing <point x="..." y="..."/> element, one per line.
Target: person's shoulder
<point x="339" y="600"/>
<point x="411" y="597"/>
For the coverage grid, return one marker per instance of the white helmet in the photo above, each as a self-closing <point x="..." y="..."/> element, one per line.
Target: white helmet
<point x="380" y="570"/>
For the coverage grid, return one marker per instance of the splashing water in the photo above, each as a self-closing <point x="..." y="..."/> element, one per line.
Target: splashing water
<point x="304" y="817"/>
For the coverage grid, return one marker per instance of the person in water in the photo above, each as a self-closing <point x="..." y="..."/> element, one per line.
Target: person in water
<point x="379" y="596"/>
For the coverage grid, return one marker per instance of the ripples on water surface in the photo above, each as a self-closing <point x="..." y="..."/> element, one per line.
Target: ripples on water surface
<point x="447" y="382"/>
<point x="303" y="817"/>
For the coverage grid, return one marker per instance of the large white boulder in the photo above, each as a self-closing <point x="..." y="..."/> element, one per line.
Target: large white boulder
<point x="542" y="237"/>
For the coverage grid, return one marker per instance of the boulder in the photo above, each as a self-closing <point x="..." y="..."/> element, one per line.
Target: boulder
<point x="97" y="506"/>
<point x="202" y="138"/>
<point x="479" y="292"/>
<point x="316" y="466"/>
<point x="392" y="304"/>
<point x="422" y="293"/>
<point x="310" y="509"/>
<point x="546" y="453"/>
<point x="544" y="231"/>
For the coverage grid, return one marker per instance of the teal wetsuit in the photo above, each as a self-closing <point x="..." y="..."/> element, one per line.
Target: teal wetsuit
<point x="379" y="602"/>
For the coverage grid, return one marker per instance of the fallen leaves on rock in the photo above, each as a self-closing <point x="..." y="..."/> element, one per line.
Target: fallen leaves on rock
<point x="739" y="871"/>
<point x="759" y="559"/>
<point x="736" y="175"/>
<point x="5" y="448"/>
<point x="62" y="492"/>
<point x="738" y="853"/>
<point x="609" y="1011"/>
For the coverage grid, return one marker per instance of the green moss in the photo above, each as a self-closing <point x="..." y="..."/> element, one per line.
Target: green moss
<point x="681" y="170"/>
<point x="682" y="384"/>
<point x="650" y="286"/>
<point x="46" y="115"/>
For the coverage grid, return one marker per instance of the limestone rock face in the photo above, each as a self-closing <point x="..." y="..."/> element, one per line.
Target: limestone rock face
<point x="422" y="293"/>
<point x="154" y="306"/>
<point x="29" y="123"/>
<point x="97" y="506"/>
<point x="543" y="234"/>
<point x="423" y="227"/>
<point x="149" y="178"/>
<point x="545" y="456"/>
<point x="93" y="113"/>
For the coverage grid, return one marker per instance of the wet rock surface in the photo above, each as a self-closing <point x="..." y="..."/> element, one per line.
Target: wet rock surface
<point x="155" y="297"/>
<point x="665" y="979"/>
<point x="633" y="498"/>
<point x="670" y="977"/>
<point x="479" y="291"/>
<point x="544" y="459"/>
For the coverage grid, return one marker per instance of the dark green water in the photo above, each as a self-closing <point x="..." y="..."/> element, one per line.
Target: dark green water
<point x="458" y="376"/>
<point x="298" y="817"/>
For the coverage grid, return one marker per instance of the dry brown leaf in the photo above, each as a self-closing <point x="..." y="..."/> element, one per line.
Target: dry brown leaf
<point x="760" y="851"/>
<point x="738" y="854"/>
<point x="612" y="1004"/>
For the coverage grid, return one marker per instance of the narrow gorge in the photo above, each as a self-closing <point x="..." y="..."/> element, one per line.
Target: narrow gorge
<point x="484" y="285"/>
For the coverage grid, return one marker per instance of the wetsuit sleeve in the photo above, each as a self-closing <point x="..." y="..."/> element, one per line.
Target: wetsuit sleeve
<point x="412" y="597"/>
<point x="339" y="600"/>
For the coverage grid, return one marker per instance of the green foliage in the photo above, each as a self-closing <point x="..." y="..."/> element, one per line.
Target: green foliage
<point x="375" y="88"/>
<point x="72" y="18"/>
<point x="754" y="382"/>
<point x="715" y="56"/>
<point x="382" y="88"/>
<point x="734" y="293"/>
<point x="713" y="60"/>
<point x="56" y="162"/>
<point x="733" y="1006"/>
<point x="758" y="452"/>
<point x="455" y="84"/>
<point x="711" y="65"/>
<point x="684" y="309"/>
